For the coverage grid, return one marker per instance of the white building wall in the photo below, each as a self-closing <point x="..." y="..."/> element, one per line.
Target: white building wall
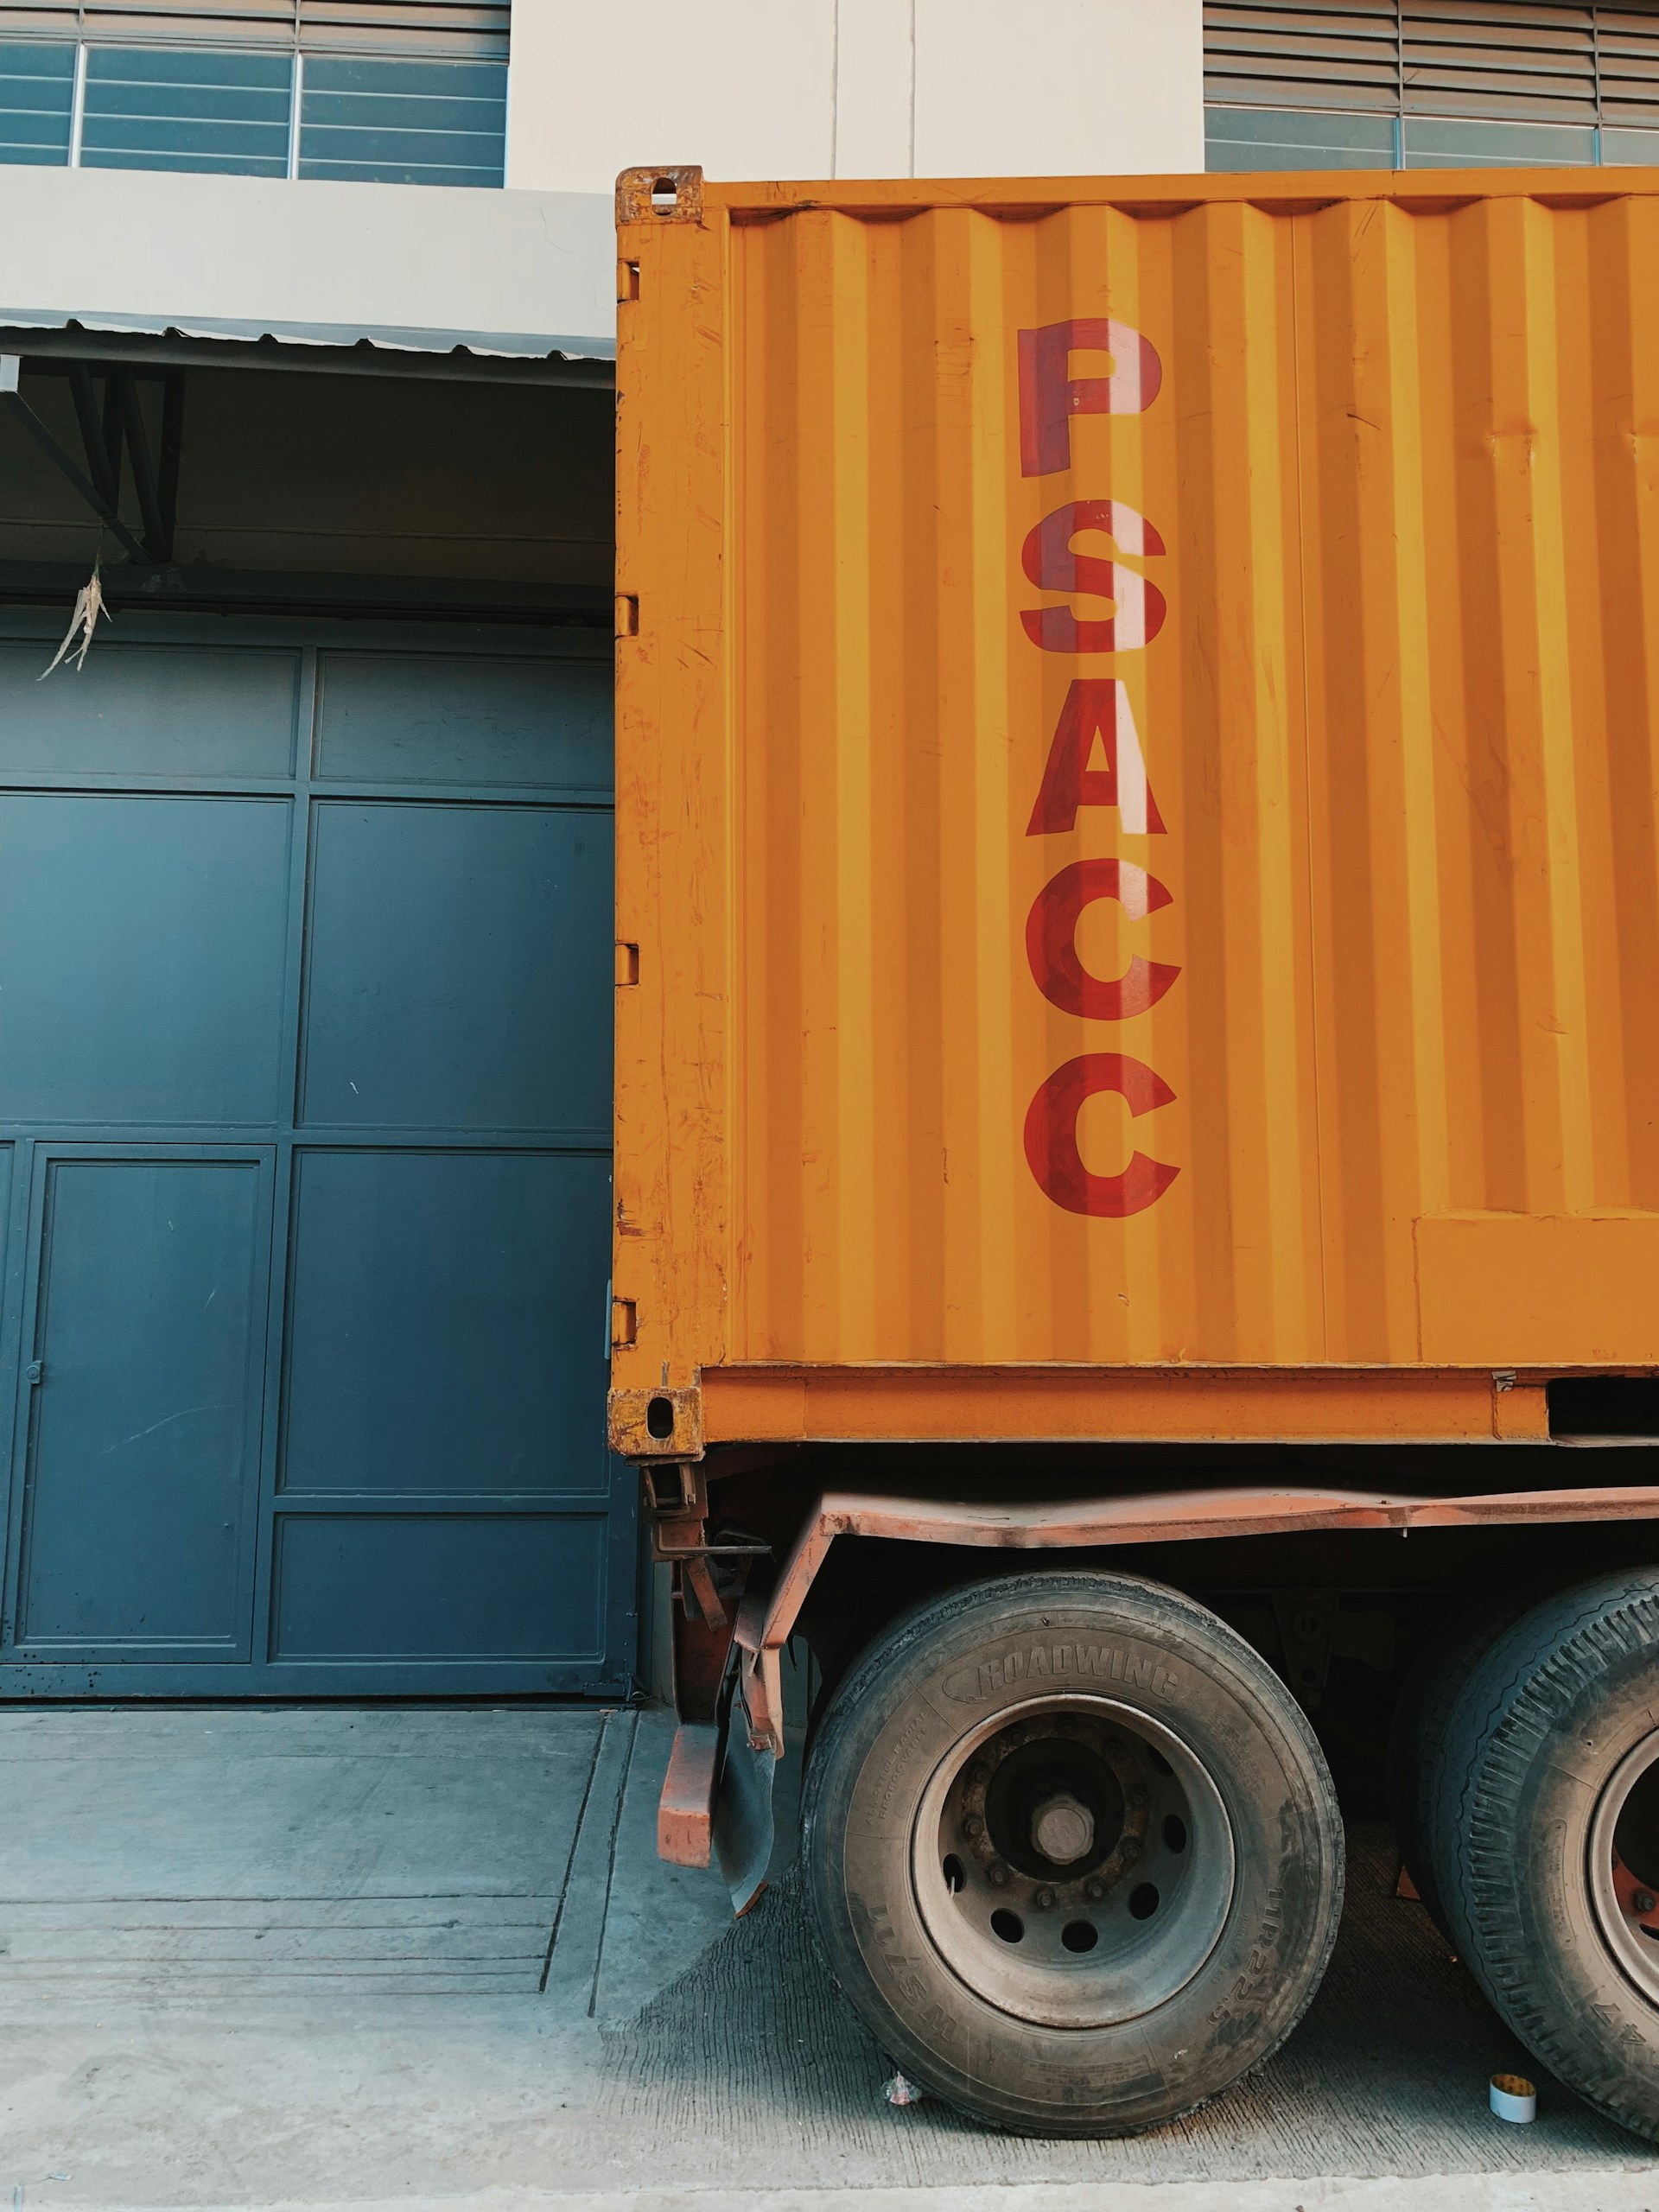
<point x="872" y="96"/>
<point x="847" y="88"/>
<point x="1068" y="88"/>
<point x="324" y="263"/>
<point x="739" y="86"/>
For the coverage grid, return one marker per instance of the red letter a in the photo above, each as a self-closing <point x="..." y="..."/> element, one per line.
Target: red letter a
<point x="1095" y="706"/>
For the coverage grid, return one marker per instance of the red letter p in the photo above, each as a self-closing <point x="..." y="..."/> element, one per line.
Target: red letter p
<point x="1050" y="396"/>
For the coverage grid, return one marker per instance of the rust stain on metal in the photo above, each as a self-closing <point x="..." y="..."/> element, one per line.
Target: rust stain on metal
<point x="672" y="192"/>
<point x="665" y="1424"/>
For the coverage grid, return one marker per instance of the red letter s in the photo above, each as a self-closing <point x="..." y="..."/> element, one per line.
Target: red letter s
<point x="1052" y="565"/>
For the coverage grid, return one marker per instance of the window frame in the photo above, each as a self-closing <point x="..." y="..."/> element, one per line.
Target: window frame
<point x="295" y="161"/>
<point x="1282" y="62"/>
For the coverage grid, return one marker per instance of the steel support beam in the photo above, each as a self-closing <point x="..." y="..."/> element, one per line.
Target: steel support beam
<point x="12" y="401"/>
<point x="143" y="468"/>
<point x="92" y="433"/>
<point x="584" y="610"/>
<point x="172" y="452"/>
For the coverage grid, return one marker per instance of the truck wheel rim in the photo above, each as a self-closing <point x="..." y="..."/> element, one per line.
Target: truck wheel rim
<point x="1139" y="1889"/>
<point x="1624" y="1866"/>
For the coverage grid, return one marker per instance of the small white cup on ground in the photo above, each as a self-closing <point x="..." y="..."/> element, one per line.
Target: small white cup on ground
<point x="1514" y="2098"/>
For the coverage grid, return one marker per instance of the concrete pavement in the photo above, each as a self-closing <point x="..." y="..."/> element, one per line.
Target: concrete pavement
<point x="427" y="1957"/>
<point x="1439" y="2193"/>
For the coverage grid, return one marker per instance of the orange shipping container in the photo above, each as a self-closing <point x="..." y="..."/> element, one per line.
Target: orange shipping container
<point x="1138" y="914"/>
<point x="1136" y="831"/>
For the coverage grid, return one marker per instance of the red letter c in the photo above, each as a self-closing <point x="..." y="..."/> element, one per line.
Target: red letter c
<point x="1052" y="946"/>
<point x="1052" y="1137"/>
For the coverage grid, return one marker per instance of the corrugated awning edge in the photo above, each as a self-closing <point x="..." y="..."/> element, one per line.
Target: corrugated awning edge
<point x="494" y="344"/>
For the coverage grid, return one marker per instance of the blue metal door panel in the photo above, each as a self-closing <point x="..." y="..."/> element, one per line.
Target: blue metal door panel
<point x="443" y="718"/>
<point x="444" y="1323"/>
<point x="142" y="946"/>
<point x="141" y="1404"/>
<point x="305" y="1099"/>
<point x="454" y="977"/>
<point x="153" y="709"/>
<point x="449" y="1595"/>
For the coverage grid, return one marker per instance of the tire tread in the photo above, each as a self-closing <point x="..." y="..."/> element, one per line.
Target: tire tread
<point x="1161" y="1614"/>
<point x="1544" y="1667"/>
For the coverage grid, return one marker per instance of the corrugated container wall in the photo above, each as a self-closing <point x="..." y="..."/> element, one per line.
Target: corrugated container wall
<point x="1242" y="953"/>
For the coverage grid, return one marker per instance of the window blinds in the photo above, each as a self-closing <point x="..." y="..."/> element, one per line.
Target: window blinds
<point x="1509" y="60"/>
<point x="455" y="29"/>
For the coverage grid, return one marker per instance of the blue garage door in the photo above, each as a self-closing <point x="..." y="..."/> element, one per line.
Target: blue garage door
<point x="305" y="982"/>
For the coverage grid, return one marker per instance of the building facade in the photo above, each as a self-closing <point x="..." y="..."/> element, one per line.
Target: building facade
<point x="305" y="961"/>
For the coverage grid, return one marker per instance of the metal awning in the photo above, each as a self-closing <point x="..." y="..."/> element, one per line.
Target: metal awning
<point x="381" y="276"/>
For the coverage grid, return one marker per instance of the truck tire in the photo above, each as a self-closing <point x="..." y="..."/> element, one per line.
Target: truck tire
<point x="1544" y="1835"/>
<point x="1074" y="1852"/>
<point x="1434" y="1683"/>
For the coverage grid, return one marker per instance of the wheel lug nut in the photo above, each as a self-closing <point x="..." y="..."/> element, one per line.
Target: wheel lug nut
<point x="1643" y="1901"/>
<point x="1062" y="1828"/>
<point x="1045" y="1900"/>
<point x="997" y="1872"/>
<point x="972" y="1826"/>
<point x="979" y="1774"/>
<point x="1094" y="1890"/>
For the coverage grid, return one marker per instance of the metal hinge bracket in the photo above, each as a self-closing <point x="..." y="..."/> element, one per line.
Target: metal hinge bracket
<point x="672" y="192"/>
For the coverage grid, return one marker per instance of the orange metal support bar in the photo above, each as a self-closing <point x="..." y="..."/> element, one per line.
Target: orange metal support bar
<point x="685" y="1811"/>
<point x="1165" y="1518"/>
<point x="1030" y="1405"/>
